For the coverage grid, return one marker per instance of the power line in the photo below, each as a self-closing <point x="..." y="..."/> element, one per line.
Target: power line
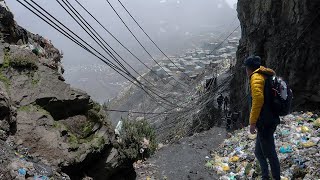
<point x="151" y="38"/>
<point x="127" y="49"/>
<point x="224" y="39"/>
<point x="136" y="112"/>
<point x="66" y="34"/>
<point x="75" y="12"/>
<point x="106" y="50"/>
<point x="135" y="37"/>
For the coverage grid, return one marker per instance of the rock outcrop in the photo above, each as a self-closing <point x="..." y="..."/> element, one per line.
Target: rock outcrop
<point x="47" y="128"/>
<point x="286" y="34"/>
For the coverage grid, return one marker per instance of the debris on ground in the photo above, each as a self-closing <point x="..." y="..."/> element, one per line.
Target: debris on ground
<point x="297" y="143"/>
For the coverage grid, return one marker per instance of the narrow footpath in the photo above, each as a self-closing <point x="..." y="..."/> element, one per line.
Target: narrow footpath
<point x="184" y="159"/>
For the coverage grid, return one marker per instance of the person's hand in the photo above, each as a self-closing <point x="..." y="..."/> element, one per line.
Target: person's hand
<point x="253" y="129"/>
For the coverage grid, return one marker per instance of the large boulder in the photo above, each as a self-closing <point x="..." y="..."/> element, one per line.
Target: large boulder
<point x="286" y="36"/>
<point x="7" y="114"/>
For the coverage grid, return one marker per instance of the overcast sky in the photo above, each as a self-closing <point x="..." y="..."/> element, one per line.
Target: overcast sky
<point x="168" y="22"/>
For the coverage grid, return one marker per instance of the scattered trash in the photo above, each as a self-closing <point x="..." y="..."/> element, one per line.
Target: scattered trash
<point x="22" y="172"/>
<point x="41" y="178"/>
<point x="285" y="149"/>
<point x="118" y="128"/>
<point x="160" y="146"/>
<point x="297" y="141"/>
<point x="304" y="129"/>
<point x="234" y="159"/>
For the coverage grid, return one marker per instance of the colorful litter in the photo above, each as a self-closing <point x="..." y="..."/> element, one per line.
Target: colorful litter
<point x="297" y="141"/>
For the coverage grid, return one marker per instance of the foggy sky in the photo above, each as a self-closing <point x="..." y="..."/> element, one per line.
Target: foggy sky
<point x="167" y="22"/>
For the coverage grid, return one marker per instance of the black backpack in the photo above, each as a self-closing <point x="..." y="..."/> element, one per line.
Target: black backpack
<point x="281" y="96"/>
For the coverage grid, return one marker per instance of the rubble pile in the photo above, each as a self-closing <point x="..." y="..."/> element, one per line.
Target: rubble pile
<point x="297" y="144"/>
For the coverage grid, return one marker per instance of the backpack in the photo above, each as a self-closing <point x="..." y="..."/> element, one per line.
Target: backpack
<point x="281" y="96"/>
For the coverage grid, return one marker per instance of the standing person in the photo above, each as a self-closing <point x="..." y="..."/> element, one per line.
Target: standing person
<point x="262" y="118"/>
<point x="220" y="101"/>
<point x="226" y="103"/>
<point x="228" y="118"/>
<point x="235" y="116"/>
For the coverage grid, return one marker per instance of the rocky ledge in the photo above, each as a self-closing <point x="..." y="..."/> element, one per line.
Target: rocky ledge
<point x="47" y="128"/>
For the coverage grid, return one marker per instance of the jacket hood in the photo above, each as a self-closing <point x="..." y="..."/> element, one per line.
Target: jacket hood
<point x="265" y="71"/>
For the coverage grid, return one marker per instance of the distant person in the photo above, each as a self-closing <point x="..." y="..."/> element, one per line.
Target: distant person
<point x="235" y="118"/>
<point x="262" y="117"/>
<point x="215" y="82"/>
<point x="209" y="83"/>
<point x="225" y="103"/>
<point x="220" y="101"/>
<point x="228" y="119"/>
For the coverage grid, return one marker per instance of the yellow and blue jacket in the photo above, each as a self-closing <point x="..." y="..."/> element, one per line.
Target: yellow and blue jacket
<point x="257" y="82"/>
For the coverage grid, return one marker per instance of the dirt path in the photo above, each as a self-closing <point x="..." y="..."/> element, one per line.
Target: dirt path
<point x="184" y="159"/>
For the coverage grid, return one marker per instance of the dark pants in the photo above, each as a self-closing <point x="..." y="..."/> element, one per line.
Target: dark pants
<point x="265" y="149"/>
<point x="225" y="106"/>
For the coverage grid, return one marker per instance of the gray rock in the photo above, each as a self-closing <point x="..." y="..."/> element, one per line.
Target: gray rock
<point x="47" y="91"/>
<point x="1" y="54"/>
<point x="7" y="114"/>
<point x="286" y="36"/>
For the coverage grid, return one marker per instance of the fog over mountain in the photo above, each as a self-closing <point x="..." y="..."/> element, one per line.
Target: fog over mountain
<point x="175" y="25"/>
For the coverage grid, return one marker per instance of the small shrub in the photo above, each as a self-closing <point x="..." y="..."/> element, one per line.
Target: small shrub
<point x="132" y="135"/>
<point x="5" y="80"/>
<point x="96" y="106"/>
<point x="98" y="143"/>
<point x="94" y="116"/>
<point x="87" y="129"/>
<point x="27" y="108"/>
<point x="6" y="59"/>
<point x="24" y="60"/>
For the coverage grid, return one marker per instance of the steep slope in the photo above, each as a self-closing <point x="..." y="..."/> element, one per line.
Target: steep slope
<point x="286" y="34"/>
<point x="47" y="128"/>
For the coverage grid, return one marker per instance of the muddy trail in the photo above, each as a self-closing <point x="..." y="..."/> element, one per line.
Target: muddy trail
<point x="184" y="159"/>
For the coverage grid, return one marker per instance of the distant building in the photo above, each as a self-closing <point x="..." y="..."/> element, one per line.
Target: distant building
<point x="188" y="58"/>
<point x="222" y="50"/>
<point x="163" y="72"/>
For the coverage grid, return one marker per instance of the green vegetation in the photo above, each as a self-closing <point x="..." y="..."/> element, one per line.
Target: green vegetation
<point x="27" y="108"/>
<point x="33" y="108"/>
<point x="87" y="129"/>
<point x="94" y="116"/>
<point x="73" y="141"/>
<point x="95" y="113"/>
<point x="6" y="59"/>
<point x="132" y="136"/>
<point x="96" y="106"/>
<point x="5" y="65"/>
<point x="5" y="80"/>
<point x="24" y="61"/>
<point x="98" y="143"/>
<point x="35" y="81"/>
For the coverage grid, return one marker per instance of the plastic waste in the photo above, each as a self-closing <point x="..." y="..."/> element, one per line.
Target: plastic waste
<point x="285" y="132"/>
<point x="252" y="136"/>
<point x="316" y="123"/>
<point x="22" y="172"/>
<point x="208" y="165"/>
<point x="308" y="144"/>
<point x="118" y="128"/>
<point x="40" y="177"/>
<point x="225" y="167"/>
<point x="286" y="149"/>
<point x="297" y="140"/>
<point x="234" y="159"/>
<point x="304" y="129"/>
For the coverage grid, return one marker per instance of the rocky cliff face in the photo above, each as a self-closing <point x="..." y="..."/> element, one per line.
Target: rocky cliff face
<point x="286" y="34"/>
<point x="47" y="128"/>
